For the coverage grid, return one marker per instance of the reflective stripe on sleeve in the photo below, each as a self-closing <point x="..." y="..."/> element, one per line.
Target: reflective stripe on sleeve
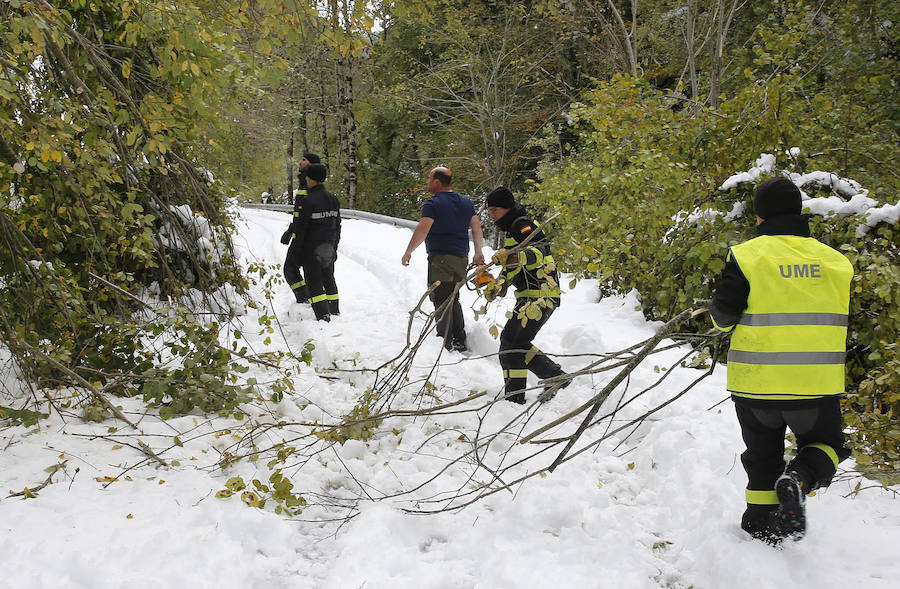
<point x="532" y="293"/>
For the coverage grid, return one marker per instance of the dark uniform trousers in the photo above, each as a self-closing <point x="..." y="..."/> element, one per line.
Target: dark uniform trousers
<point x="518" y="355"/>
<point x="818" y="431"/>
<point x="450" y="270"/>
<point x="318" y="265"/>
<point x="293" y="261"/>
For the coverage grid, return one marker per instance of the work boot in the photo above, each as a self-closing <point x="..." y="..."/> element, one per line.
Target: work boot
<point x="517" y="397"/>
<point x="759" y="522"/>
<point x="790" y="518"/>
<point x="551" y="389"/>
<point x="455" y="345"/>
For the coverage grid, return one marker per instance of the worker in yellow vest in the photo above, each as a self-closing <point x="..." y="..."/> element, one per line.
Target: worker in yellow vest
<point x="787" y="298"/>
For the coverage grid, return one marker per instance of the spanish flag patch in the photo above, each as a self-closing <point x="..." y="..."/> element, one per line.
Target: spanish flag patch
<point x="526" y="228"/>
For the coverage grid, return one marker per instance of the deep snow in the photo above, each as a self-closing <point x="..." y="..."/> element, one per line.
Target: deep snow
<point x="658" y="509"/>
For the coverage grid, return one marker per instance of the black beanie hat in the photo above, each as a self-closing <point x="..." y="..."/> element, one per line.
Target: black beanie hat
<point x="776" y="197"/>
<point x="501" y="197"/>
<point x="317" y="172"/>
<point x="312" y="158"/>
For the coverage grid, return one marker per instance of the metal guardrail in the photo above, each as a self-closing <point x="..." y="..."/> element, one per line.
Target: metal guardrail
<point x="345" y="214"/>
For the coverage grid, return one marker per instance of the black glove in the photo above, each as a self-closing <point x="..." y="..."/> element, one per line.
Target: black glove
<point x="286" y="237"/>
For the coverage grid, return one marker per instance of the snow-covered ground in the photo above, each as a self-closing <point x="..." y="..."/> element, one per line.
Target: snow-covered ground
<point x="658" y="508"/>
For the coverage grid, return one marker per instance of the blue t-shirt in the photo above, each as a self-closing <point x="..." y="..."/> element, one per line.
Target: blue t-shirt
<point x="452" y="213"/>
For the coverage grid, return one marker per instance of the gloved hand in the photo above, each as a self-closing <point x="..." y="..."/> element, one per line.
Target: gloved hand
<point x="286" y="237"/>
<point x="482" y="278"/>
<point x="503" y="257"/>
<point x="494" y="289"/>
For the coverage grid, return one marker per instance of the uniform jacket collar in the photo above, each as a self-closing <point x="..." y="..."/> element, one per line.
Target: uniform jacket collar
<point x="784" y="225"/>
<point x="505" y="222"/>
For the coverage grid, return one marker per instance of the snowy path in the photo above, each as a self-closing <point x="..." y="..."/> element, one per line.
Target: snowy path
<point x="659" y="509"/>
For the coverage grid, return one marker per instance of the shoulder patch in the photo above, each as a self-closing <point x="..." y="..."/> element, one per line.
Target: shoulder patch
<point x="525" y="229"/>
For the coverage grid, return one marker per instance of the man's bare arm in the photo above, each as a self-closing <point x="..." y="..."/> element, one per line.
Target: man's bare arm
<point x="418" y="236"/>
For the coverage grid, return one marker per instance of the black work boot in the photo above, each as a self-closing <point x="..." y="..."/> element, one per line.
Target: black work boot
<point x="759" y="522"/>
<point x="455" y="345"/>
<point x="790" y="518"/>
<point x="517" y="397"/>
<point x="551" y="389"/>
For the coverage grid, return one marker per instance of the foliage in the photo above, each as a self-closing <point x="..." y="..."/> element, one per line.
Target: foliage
<point x="101" y="105"/>
<point x="358" y="424"/>
<point x="640" y="206"/>
<point x="24" y="417"/>
<point x="873" y="361"/>
<point x="278" y="490"/>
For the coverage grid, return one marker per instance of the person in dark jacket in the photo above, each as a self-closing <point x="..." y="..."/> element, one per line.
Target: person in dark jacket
<point x="318" y="230"/>
<point x="530" y="269"/>
<point x="293" y="261"/>
<point x="787" y="297"/>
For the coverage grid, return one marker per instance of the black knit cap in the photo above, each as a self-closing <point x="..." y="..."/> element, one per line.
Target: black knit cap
<point x="501" y="197"/>
<point x="776" y="197"/>
<point x="317" y="172"/>
<point x="312" y="158"/>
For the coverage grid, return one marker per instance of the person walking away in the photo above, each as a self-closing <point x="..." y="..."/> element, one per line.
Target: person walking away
<point x="446" y="220"/>
<point x="786" y="296"/>
<point x="293" y="261"/>
<point x="318" y="230"/>
<point x="532" y="272"/>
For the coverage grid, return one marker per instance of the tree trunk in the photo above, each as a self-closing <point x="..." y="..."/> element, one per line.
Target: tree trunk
<point x="349" y="140"/>
<point x="289" y="163"/>
<point x="690" y="45"/>
<point x="629" y="38"/>
<point x="723" y="19"/>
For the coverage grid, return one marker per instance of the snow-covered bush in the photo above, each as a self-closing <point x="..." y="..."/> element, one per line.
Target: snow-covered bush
<point x="650" y="201"/>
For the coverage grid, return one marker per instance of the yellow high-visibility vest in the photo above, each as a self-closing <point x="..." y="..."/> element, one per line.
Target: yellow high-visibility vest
<point x="791" y="341"/>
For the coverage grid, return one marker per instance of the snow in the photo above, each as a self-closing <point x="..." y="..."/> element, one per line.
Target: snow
<point x="655" y="507"/>
<point x="765" y="164"/>
<point x="848" y="197"/>
<point x="883" y="214"/>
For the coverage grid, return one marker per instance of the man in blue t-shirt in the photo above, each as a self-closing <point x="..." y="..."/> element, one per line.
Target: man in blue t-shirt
<point x="444" y="227"/>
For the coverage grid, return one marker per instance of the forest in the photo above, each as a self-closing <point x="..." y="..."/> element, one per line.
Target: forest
<point x="128" y="129"/>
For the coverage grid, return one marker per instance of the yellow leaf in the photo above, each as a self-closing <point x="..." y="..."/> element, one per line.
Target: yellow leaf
<point x="117" y="447"/>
